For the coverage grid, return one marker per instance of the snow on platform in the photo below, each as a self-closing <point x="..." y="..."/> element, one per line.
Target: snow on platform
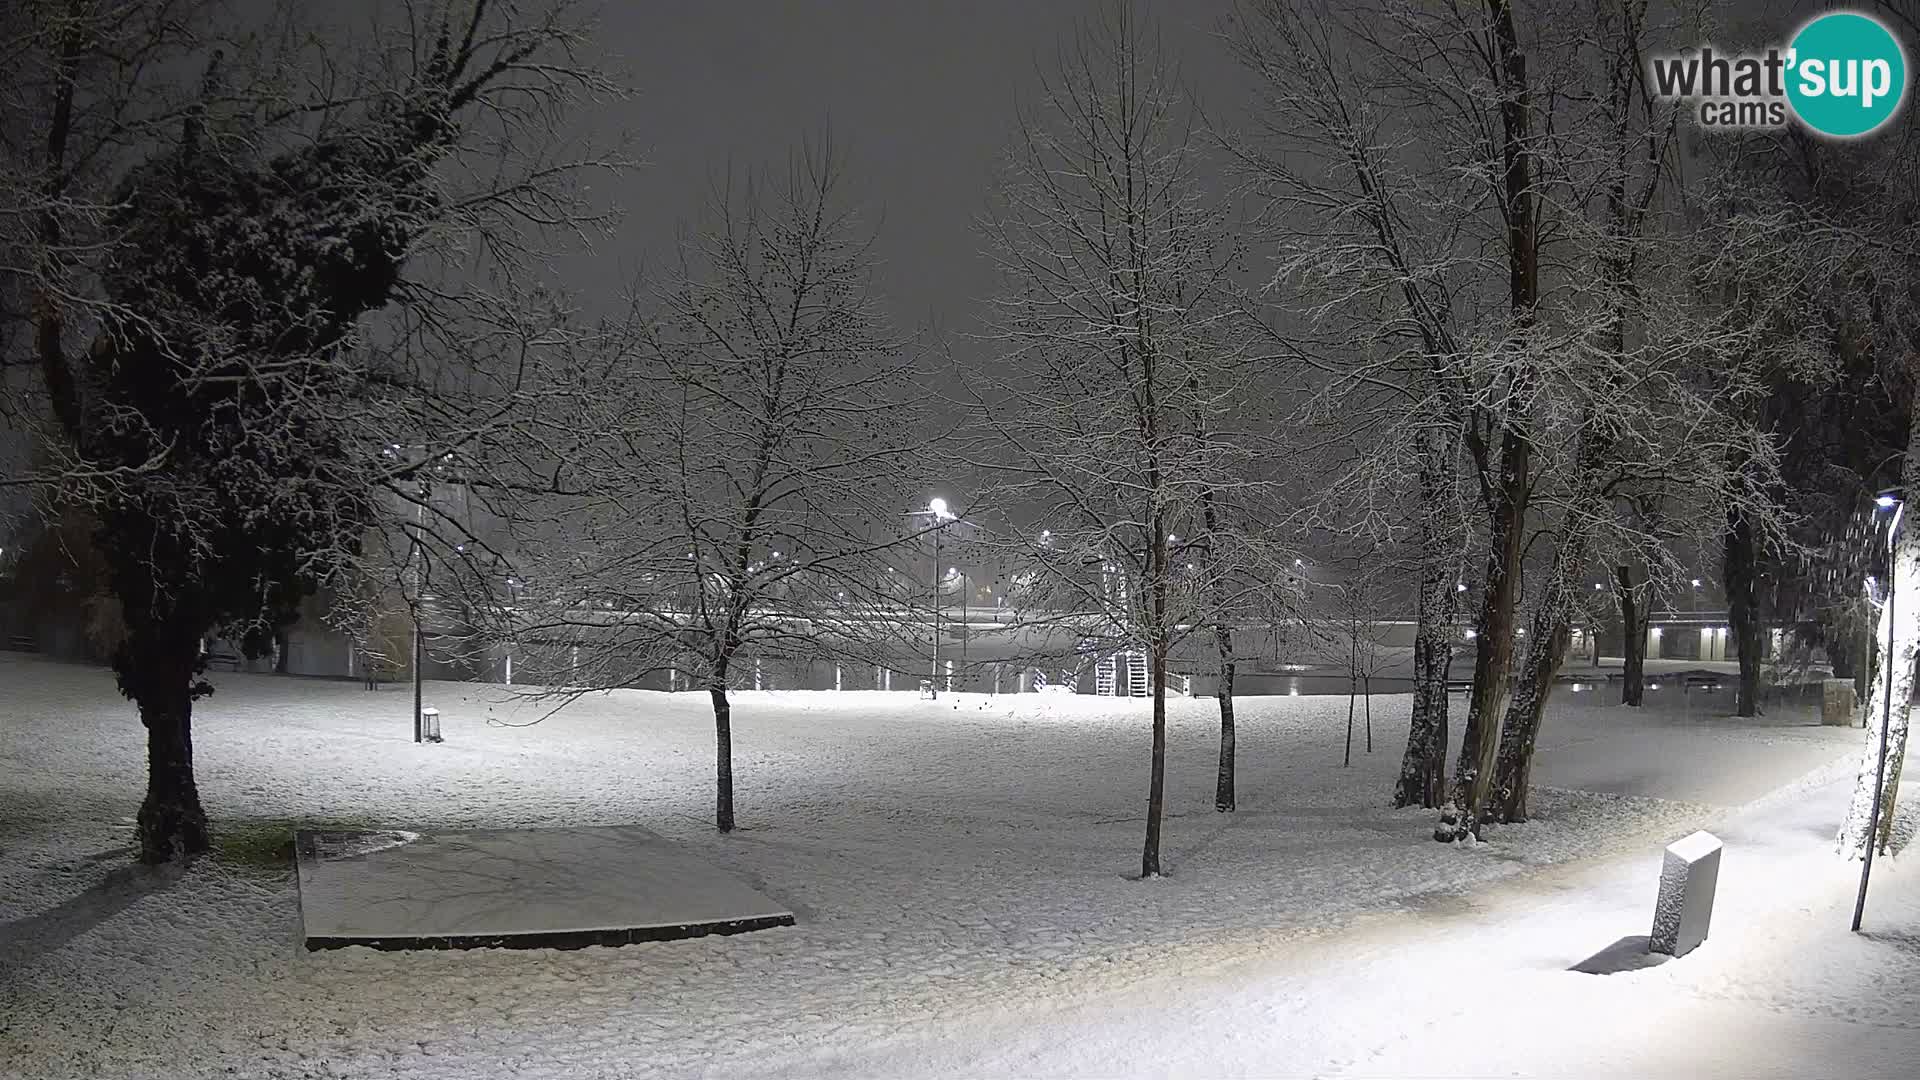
<point x="515" y="888"/>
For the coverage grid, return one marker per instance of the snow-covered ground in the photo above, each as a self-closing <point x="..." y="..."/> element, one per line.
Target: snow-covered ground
<point x="1480" y="988"/>
<point x="960" y="870"/>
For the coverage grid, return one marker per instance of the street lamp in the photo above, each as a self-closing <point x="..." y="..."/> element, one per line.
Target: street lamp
<point x="1886" y="500"/>
<point x="936" y="509"/>
<point x="419" y="601"/>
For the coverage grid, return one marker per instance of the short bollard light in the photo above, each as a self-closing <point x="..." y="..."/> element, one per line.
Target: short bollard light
<point x="430" y="724"/>
<point x="1685" y="906"/>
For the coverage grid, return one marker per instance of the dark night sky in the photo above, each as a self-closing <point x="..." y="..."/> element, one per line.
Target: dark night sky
<point x="921" y="95"/>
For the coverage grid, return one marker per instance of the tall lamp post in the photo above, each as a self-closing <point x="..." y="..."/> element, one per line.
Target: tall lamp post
<point x="416" y="554"/>
<point x="937" y="510"/>
<point x="1887" y="500"/>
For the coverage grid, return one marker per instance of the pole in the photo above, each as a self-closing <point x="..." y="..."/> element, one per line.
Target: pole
<point x="1886" y="722"/>
<point x="419" y="581"/>
<point x="416" y="680"/>
<point x="933" y="684"/>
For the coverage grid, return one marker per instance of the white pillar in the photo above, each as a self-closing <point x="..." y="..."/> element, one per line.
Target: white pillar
<point x="509" y="667"/>
<point x="836" y="676"/>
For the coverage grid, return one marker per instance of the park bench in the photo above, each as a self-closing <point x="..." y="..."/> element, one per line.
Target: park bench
<point x="23" y="643"/>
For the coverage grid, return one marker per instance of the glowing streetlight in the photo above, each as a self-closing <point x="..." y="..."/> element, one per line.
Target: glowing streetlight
<point x="937" y="510"/>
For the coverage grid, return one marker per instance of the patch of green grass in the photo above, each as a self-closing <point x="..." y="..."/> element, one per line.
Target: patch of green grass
<point x="267" y="843"/>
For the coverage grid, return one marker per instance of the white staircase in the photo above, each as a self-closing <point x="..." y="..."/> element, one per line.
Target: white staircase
<point x="1106" y="674"/>
<point x="1137" y="685"/>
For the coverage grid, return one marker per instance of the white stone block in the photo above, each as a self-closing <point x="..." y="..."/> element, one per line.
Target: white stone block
<point x="1685" y="906"/>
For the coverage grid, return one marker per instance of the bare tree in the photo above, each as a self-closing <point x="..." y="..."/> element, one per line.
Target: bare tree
<point x="760" y="435"/>
<point x="1360" y="602"/>
<point x="1400" y="145"/>
<point x="1374" y="287"/>
<point x="1377" y="166"/>
<point x="1110" y="410"/>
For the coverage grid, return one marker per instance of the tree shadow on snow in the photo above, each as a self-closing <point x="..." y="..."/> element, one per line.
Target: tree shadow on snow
<point x="36" y="935"/>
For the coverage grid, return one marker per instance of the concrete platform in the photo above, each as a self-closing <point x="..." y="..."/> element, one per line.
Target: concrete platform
<point x="515" y="888"/>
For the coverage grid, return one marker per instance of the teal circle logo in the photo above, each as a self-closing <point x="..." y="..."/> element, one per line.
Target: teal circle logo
<point x="1847" y="74"/>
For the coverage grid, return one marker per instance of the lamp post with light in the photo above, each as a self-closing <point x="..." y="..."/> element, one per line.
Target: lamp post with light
<point x="1886" y="500"/>
<point x="937" y="510"/>
<point x="430" y="465"/>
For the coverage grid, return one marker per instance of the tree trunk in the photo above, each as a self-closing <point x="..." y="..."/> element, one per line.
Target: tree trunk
<point x="1890" y="798"/>
<point x="1546" y="652"/>
<point x="1157" y="626"/>
<point x="1223" y="794"/>
<point x="1902" y="614"/>
<point x="1505" y="496"/>
<point x="161" y="666"/>
<point x="1890" y="695"/>
<point x="1352" y="690"/>
<point x="723" y="752"/>
<point x="1353" y="685"/>
<point x="1366" y="696"/>
<point x="1223" y="788"/>
<point x="1741" y="573"/>
<point x="1423" y="768"/>
<point x="1493" y="658"/>
<point x="1634" y="617"/>
<point x="1157" y="785"/>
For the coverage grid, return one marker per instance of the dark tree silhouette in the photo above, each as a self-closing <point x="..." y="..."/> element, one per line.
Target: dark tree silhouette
<point x="224" y="354"/>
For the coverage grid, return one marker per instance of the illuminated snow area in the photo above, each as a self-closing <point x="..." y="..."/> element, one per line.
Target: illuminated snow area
<point x="959" y="871"/>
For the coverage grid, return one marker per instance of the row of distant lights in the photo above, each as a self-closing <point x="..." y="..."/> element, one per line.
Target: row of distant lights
<point x="1522" y="632"/>
<point x="1462" y="586"/>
